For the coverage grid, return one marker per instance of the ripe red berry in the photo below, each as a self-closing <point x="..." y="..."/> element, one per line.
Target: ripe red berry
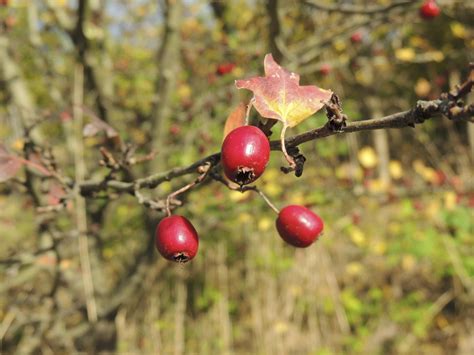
<point x="244" y="154"/>
<point x="225" y="68"/>
<point x="175" y="129"/>
<point x="176" y="239"/>
<point x="356" y="37"/>
<point x="299" y="226"/>
<point x="325" y="69"/>
<point x="429" y="10"/>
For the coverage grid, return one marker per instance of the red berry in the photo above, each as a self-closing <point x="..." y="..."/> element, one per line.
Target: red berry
<point x="175" y="129"/>
<point x="299" y="226"/>
<point x="176" y="239"/>
<point x="429" y="10"/>
<point x="325" y="69"/>
<point x="356" y="37"/>
<point x="244" y="154"/>
<point x="225" y="68"/>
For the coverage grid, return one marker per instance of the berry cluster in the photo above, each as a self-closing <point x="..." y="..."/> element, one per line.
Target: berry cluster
<point x="244" y="155"/>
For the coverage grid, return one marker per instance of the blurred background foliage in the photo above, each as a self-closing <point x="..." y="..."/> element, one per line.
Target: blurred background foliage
<point x="394" y="271"/>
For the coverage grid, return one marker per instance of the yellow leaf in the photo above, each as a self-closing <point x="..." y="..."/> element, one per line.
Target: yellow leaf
<point x="297" y="198"/>
<point x="273" y="189"/>
<point x="441" y="321"/>
<point x="244" y="217"/>
<point x="450" y="200"/>
<point x="184" y="91"/>
<point x="405" y="54"/>
<point x="280" y="327"/>
<point x="357" y="236"/>
<point x="437" y="56"/>
<point x="238" y="72"/>
<point x="396" y="170"/>
<point x="237" y="196"/>
<point x="270" y="175"/>
<point x="408" y="262"/>
<point x="458" y="30"/>
<point x="295" y="290"/>
<point x="354" y="268"/>
<point x="340" y="45"/>
<point x="378" y="247"/>
<point x="417" y="41"/>
<point x="166" y="187"/>
<point x="18" y="144"/>
<point x="432" y="209"/>
<point x="367" y="157"/>
<point x="363" y="77"/>
<point x="378" y="186"/>
<point x="422" y="87"/>
<point x="265" y="224"/>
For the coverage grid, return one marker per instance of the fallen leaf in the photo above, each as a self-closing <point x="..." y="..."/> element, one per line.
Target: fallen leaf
<point x="278" y="95"/>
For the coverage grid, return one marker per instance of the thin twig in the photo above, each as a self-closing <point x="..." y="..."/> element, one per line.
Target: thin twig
<point x="204" y="170"/>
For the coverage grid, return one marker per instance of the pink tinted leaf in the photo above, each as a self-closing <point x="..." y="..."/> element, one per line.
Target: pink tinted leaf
<point x="278" y="95"/>
<point x="96" y="126"/>
<point x="90" y="130"/>
<point x="9" y="164"/>
<point x="56" y="193"/>
<point x="37" y="166"/>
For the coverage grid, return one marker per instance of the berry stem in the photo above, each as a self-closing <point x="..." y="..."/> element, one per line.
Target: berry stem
<point x="290" y="160"/>
<point x="204" y="170"/>
<point x="243" y="189"/>
<point x="267" y="200"/>
<point x="247" y="113"/>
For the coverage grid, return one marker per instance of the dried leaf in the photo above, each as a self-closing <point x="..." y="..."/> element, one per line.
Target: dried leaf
<point x="96" y="126"/>
<point x="279" y="96"/>
<point x="235" y="119"/>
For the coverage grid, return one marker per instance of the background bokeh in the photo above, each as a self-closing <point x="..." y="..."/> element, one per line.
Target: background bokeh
<point x="394" y="271"/>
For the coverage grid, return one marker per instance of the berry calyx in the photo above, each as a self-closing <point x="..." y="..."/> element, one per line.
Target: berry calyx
<point x="176" y="239"/>
<point x="299" y="226"/>
<point x="245" y="153"/>
<point x="429" y="10"/>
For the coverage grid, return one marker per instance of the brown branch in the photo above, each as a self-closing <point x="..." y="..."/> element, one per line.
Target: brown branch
<point x="424" y="110"/>
<point x="448" y="105"/>
<point x="351" y="9"/>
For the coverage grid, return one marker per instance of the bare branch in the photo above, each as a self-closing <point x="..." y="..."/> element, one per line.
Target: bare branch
<point x="351" y="9"/>
<point x="447" y="105"/>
